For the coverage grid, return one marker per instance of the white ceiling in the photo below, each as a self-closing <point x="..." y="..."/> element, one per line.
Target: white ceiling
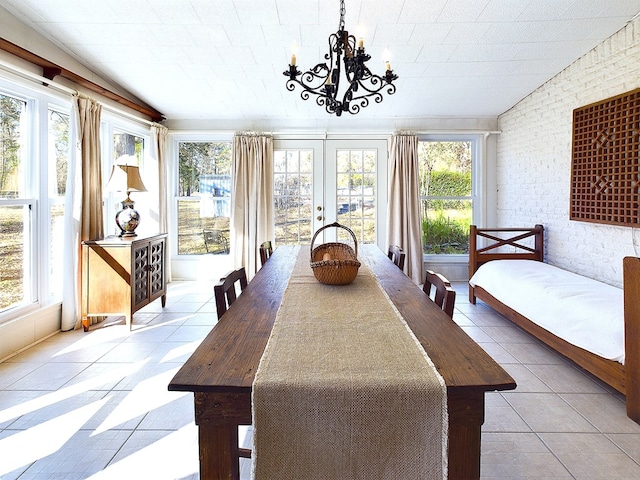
<point x="223" y="59"/>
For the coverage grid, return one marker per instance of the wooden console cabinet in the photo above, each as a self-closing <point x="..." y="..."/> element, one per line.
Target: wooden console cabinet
<point x="120" y="275"/>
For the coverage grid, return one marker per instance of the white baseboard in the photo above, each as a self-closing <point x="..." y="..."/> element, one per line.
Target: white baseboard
<point x="19" y="334"/>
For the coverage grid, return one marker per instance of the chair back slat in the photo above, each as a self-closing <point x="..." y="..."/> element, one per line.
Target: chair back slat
<point x="396" y="255"/>
<point x="266" y="249"/>
<point x="225" y="290"/>
<point x="445" y="295"/>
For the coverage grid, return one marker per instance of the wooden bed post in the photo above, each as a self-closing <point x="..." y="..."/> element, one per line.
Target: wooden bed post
<point x="539" y="242"/>
<point x="631" y="273"/>
<point x="472" y="260"/>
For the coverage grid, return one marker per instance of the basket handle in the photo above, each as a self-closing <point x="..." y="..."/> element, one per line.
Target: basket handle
<point x="334" y="224"/>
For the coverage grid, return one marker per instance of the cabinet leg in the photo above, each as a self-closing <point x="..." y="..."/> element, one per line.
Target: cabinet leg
<point x="128" y="321"/>
<point x="85" y="324"/>
<point x="164" y="300"/>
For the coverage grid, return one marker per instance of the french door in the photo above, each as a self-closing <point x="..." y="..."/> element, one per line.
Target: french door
<point x="318" y="182"/>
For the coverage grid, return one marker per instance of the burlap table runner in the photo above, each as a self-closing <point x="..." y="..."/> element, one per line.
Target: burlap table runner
<point x="344" y="391"/>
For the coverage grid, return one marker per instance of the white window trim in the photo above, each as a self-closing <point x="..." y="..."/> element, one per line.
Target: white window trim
<point x="478" y="184"/>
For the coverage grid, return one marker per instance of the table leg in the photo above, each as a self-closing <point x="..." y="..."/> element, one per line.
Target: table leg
<point x="217" y="415"/>
<point x="466" y="416"/>
<point x="218" y="452"/>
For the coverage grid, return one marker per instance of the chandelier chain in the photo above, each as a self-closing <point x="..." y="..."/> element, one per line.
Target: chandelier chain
<point x="343" y="11"/>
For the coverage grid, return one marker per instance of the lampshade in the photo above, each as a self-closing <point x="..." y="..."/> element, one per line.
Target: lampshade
<point x="125" y="178"/>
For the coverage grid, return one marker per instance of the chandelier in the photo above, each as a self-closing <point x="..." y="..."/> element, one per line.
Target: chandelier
<point x="323" y="80"/>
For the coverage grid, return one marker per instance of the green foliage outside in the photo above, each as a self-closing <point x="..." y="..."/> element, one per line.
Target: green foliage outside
<point x="442" y="235"/>
<point x="445" y="169"/>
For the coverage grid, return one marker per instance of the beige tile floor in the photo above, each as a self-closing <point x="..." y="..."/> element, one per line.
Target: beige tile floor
<point x="95" y="405"/>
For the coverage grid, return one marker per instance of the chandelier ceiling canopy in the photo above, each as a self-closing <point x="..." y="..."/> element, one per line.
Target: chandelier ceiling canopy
<point x="323" y="80"/>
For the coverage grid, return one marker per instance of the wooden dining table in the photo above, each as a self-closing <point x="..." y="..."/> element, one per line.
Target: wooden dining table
<point x="221" y="370"/>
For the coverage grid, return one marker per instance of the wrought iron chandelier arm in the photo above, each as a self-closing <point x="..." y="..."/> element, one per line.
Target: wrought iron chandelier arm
<point x="323" y="81"/>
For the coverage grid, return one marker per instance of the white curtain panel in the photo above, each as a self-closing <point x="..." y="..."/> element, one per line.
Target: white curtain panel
<point x="403" y="216"/>
<point x="251" y="198"/>
<point x="158" y="174"/>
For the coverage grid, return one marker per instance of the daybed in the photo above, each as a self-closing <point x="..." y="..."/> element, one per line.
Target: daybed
<point x="595" y="325"/>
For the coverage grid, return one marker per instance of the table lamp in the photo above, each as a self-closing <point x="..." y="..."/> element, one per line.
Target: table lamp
<point x="126" y="178"/>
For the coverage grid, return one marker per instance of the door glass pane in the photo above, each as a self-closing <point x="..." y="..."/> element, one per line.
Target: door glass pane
<point x="204" y="195"/>
<point x="292" y="192"/>
<point x="355" y="195"/>
<point x="446" y="195"/>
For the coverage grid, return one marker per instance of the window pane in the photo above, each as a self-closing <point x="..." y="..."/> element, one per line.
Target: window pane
<point x="14" y="271"/>
<point x="355" y="201"/>
<point x="292" y="190"/>
<point x="15" y="218"/>
<point x="204" y="190"/>
<point x="11" y="168"/>
<point x="445" y="226"/>
<point x="446" y="196"/>
<point x="129" y="145"/>
<point x="58" y="163"/>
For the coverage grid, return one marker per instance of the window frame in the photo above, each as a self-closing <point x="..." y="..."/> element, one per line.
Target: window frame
<point x="189" y="266"/>
<point x="35" y="158"/>
<point x="478" y="202"/>
<point x="110" y="125"/>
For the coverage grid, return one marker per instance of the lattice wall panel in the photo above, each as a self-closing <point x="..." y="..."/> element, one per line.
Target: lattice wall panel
<point x="605" y="168"/>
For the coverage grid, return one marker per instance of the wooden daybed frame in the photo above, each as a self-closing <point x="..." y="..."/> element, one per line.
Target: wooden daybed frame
<point x="528" y="244"/>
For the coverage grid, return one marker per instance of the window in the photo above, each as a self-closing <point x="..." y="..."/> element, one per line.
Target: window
<point x="16" y="206"/>
<point x="446" y="194"/>
<point x="204" y="195"/>
<point x="124" y="144"/>
<point x="58" y="164"/>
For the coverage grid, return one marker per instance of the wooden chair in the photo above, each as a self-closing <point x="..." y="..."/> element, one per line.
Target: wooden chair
<point x="266" y="249"/>
<point x="445" y="295"/>
<point x="225" y="293"/>
<point x="396" y="255"/>
<point x="225" y="290"/>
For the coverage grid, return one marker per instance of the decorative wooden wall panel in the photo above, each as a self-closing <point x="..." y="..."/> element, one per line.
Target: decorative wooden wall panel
<point x="605" y="167"/>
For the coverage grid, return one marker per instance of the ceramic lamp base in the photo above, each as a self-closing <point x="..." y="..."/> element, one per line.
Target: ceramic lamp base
<point x="128" y="220"/>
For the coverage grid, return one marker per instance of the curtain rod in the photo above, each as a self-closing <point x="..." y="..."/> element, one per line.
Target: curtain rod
<point x="51" y="70"/>
<point x="63" y="88"/>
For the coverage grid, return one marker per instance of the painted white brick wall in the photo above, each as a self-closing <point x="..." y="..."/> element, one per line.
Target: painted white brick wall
<point x="533" y="167"/>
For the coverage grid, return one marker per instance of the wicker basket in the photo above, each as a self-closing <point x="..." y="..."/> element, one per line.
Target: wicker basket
<point x="343" y="266"/>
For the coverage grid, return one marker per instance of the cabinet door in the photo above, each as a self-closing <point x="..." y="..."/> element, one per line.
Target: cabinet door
<point x="140" y="275"/>
<point x="156" y="268"/>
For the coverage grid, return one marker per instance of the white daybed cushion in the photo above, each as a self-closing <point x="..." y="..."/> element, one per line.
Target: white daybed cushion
<point x="580" y="310"/>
